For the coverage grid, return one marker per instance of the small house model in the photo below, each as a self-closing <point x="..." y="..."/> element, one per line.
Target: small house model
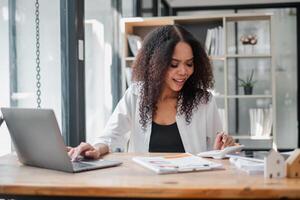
<point x="293" y="165"/>
<point x="274" y="165"/>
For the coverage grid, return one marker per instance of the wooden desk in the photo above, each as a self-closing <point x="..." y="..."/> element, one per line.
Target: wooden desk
<point x="131" y="180"/>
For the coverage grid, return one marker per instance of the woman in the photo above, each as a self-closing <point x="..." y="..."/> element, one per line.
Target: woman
<point x="169" y="107"/>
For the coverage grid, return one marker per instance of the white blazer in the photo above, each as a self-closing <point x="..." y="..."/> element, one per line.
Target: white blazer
<point x="124" y="132"/>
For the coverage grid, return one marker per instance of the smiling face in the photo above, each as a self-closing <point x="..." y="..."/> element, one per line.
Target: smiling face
<point x="181" y="68"/>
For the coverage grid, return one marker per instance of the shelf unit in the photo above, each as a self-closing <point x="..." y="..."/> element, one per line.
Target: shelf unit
<point x="229" y="62"/>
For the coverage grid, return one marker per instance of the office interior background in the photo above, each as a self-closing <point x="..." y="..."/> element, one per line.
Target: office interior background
<point x="66" y="55"/>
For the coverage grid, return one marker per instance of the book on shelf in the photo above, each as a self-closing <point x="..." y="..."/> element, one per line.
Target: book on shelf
<point x="260" y="121"/>
<point x="214" y="41"/>
<point x="220" y="41"/>
<point x="222" y="116"/>
<point x="135" y="43"/>
<point x="182" y="162"/>
<point x="208" y="41"/>
<point x="267" y="126"/>
<point x="128" y="75"/>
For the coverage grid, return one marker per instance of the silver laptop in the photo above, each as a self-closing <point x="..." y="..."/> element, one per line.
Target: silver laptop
<point x="38" y="141"/>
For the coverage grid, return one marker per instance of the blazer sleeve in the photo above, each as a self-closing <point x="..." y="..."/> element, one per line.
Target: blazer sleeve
<point x="117" y="130"/>
<point x="213" y="123"/>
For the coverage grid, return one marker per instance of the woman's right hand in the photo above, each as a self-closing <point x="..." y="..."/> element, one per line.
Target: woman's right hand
<point x="223" y="140"/>
<point x="84" y="149"/>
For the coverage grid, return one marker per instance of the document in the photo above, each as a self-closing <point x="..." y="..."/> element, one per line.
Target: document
<point x="183" y="162"/>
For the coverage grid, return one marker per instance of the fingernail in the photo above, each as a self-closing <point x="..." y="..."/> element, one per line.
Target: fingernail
<point x="74" y="157"/>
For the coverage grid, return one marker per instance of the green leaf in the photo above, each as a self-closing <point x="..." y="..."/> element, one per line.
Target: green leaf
<point x="249" y="80"/>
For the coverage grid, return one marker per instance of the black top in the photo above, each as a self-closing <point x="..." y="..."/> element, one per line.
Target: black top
<point x="165" y="138"/>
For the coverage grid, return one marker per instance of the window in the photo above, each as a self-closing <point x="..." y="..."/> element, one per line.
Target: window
<point x="4" y="73"/>
<point x="98" y="65"/>
<point x="24" y="76"/>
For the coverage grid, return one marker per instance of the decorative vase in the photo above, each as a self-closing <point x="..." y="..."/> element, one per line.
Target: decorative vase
<point x="248" y="90"/>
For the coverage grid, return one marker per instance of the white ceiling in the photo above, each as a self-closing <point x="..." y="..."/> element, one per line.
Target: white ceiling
<point x="191" y="3"/>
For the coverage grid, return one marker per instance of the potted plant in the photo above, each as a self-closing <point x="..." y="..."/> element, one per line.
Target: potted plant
<point x="248" y="84"/>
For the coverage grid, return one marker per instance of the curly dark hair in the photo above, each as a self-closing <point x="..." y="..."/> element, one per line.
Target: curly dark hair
<point x="153" y="61"/>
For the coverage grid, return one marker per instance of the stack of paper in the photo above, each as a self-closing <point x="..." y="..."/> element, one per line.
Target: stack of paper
<point x="184" y="162"/>
<point x="250" y="165"/>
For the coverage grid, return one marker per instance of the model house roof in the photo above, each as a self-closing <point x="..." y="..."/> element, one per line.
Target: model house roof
<point x="294" y="157"/>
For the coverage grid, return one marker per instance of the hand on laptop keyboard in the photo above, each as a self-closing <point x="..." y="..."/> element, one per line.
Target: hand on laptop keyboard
<point x="83" y="150"/>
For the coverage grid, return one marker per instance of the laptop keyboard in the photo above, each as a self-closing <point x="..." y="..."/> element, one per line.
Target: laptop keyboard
<point x="78" y="165"/>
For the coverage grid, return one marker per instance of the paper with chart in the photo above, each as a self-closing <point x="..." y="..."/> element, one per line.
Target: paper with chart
<point x="183" y="162"/>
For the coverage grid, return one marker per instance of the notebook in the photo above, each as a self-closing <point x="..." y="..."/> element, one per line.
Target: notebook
<point x="38" y="141"/>
<point x="183" y="162"/>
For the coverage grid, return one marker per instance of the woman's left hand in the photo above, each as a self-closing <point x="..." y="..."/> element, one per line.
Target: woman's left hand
<point x="223" y="140"/>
